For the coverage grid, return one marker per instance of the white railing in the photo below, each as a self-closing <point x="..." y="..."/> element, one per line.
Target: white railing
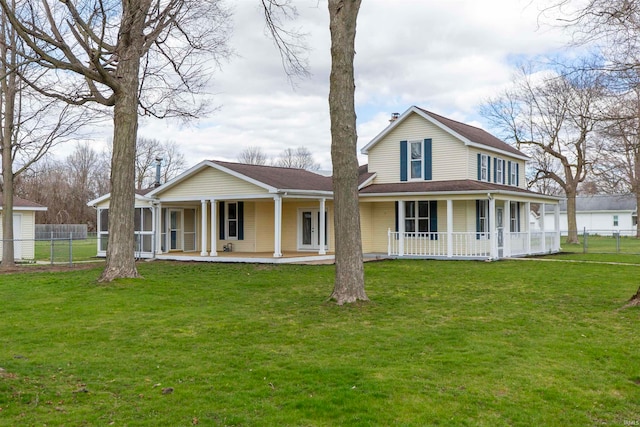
<point x="470" y="244"/>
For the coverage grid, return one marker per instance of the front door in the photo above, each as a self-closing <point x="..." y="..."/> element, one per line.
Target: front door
<point x="175" y="230"/>
<point x="309" y="229"/>
<point x="500" y="229"/>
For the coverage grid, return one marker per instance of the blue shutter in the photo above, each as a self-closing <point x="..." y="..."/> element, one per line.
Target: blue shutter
<point x="517" y="175"/>
<point x="427" y="159"/>
<point x="518" y="217"/>
<point x="509" y="174"/>
<point x="403" y="160"/>
<point x="479" y="167"/>
<point x="488" y="168"/>
<point x="504" y="171"/>
<point x="221" y="220"/>
<point x="397" y="207"/>
<point x="240" y="220"/>
<point x="433" y="219"/>
<point x="495" y="170"/>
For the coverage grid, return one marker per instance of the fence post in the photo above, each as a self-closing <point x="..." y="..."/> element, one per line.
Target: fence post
<point x="618" y="242"/>
<point x="51" y="244"/>
<point x="71" y="249"/>
<point x="585" y="246"/>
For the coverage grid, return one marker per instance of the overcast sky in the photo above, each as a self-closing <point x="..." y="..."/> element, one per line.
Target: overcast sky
<point x="445" y="56"/>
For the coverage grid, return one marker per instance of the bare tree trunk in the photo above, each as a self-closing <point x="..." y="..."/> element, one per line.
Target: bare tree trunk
<point x="121" y="245"/>
<point x="7" y="207"/>
<point x="635" y="299"/>
<point x="349" y="279"/>
<point x="572" y="235"/>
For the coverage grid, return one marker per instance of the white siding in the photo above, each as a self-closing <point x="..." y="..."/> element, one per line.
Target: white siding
<point x="28" y="232"/>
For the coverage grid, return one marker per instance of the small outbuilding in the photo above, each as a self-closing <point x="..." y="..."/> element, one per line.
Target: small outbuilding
<point x="24" y="225"/>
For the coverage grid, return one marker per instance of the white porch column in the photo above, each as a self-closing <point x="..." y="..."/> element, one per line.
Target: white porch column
<point x="400" y="228"/>
<point x="277" y="235"/>
<point x="203" y="228"/>
<point x="543" y="213"/>
<point x="449" y="228"/>
<point x="556" y="214"/>
<point x="527" y="209"/>
<point x="214" y="228"/>
<point x="158" y="226"/>
<point x="506" y="230"/>
<point x="493" y="235"/>
<point x="323" y="250"/>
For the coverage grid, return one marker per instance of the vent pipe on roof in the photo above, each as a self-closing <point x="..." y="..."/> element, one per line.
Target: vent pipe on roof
<point x="158" y="166"/>
<point x="394" y="117"/>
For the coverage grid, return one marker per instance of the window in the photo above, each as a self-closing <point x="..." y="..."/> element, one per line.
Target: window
<point x="421" y="217"/>
<point x="499" y="171"/>
<point x="484" y="167"/>
<point x="482" y="219"/>
<point x="514" y="211"/>
<point x="514" y="174"/>
<point x="416" y="159"/>
<point x="615" y="220"/>
<point x="232" y="220"/>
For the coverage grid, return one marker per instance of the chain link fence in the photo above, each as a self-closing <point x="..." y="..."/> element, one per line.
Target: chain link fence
<point x="56" y="248"/>
<point x="604" y="241"/>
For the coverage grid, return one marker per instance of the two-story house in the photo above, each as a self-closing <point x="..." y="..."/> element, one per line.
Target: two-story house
<point x="433" y="188"/>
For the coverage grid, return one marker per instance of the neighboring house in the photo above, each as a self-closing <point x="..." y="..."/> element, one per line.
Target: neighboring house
<point x="24" y="220"/>
<point x="433" y="188"/>
<point x="601" y="214"/>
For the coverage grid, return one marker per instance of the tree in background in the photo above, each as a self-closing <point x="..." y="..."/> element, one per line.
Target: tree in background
<point x="29" y="126"/>
<point x="148" y="152"/>
<point x="298" y="158"/>
<point x="253" y="156"/>
<point x="552" y="119"/>
<point x="134" y="56"/>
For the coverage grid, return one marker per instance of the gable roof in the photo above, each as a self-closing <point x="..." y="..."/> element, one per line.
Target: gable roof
<point x="603" y="203"/>
<point x="20" y="204"/>
<point x="469" y="135"/>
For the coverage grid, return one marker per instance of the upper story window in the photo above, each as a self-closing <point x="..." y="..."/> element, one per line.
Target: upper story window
<point x="514" y="174"/>
<point x="484" y="167"/>
<point x="499" y="171"/>
<point x="416" y="159"/>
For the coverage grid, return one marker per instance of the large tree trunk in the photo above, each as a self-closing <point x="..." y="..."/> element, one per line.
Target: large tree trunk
<point x="572" y="234"/>
<point x="349" y="279"/>
<point x="8" y="87"/>
<point x="637" y="191"/>
<point x="121" y="244"/>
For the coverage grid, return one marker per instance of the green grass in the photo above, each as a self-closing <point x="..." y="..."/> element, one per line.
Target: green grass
<point x="82" y="250"/>
<point x="603" y="244"/>
<point x="511" y="343"/>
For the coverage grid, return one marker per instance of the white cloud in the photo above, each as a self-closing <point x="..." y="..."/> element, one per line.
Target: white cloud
<point x="446" y="56"/>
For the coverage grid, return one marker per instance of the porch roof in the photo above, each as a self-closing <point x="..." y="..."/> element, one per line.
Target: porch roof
<point x="453" y="186"/>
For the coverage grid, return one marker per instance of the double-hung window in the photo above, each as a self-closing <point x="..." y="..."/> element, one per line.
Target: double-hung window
<point x="615" y="220"/>
<point x="514" y="213"/>
<point x="482" y="219"/>
<point x="514" y="174"/>
<point x="484" y="167"/>
<point x="232" y="220"/>
<point x="499" y="171"/>
<point x="416" y="157"/>
<point x="417" y="217"/>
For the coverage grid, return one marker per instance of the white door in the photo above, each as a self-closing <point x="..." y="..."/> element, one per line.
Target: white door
<point x="175" y="230"/>
<point x="17" y="236"/>
<point x="309" y="229"/>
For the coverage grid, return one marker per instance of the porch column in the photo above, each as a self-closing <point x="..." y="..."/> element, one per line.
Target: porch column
<point x="203" y="219"/>
<point x="527" y="209"/>
<point x="493" y="235"/>
<point x="277" y="234"/>
<point x="400" y="228"/>
<point x="556" y="218"/>
<point x="449" y="228"/>
<point x="506" y="230"/>
<point x="323" y="250"/>
<point x="543" y="244"/>
<point x="214" y="228"/>
<point x="158" y="226"/>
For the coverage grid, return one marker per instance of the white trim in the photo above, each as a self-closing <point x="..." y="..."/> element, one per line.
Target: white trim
<point x="27" y="209"/>
<point x="214" y="227"/>
<point x="368" y="181"/>
<point x="277" y="243"/>
<point x="323" y="225"/>
<point x="442" y="195"/>
<point x="203" y="227"/>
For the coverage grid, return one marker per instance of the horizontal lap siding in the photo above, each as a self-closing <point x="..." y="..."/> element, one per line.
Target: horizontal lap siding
<point x="366" y="226"/>
<point x="211" y="182"/>
<point x="449" y="159"/>
<point x="383" y="218"/>
<point x="264" y="220"/>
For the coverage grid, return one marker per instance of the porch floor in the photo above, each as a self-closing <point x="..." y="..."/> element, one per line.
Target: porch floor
<point x="251" y="257"/>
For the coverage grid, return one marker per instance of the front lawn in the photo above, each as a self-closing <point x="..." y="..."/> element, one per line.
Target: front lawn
<point x="510" y="343"/>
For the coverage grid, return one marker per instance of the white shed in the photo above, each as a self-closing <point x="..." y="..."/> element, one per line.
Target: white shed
<point x="24" y="225"/>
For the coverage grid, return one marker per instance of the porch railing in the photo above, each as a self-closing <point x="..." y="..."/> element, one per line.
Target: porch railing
<point x="470" y="244"/>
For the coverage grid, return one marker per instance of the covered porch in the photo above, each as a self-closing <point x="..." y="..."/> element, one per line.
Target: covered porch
<point x="502" y="230"/>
